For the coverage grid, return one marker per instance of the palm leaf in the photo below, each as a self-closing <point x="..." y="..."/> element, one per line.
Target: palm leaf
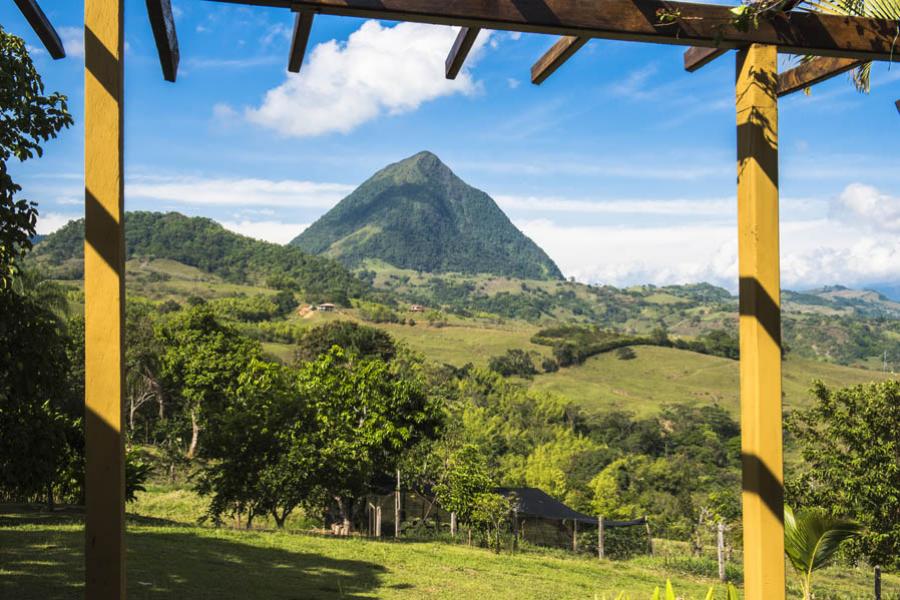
<point x="811" y="539"/>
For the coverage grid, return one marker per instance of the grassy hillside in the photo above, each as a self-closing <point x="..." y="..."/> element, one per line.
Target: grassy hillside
<point x="41" y="558"/>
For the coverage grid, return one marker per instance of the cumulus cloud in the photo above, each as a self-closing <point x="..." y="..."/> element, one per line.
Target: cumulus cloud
<point x="867" y="206"/>
<point x="378" y="70"/>
<point x="73" y="40"/>
<point x="722" y="207"/>
<point x="49" y="222"/>
<point x="269" y="231"/>
<point x="236" y="192"/>
<point x="856" y="245"/>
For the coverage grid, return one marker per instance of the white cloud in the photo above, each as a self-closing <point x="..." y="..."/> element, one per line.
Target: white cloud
<point x="224" y="112"/>
<point x="73" y="40"/>
<point x="236" y="192"/>
<point x="49" y="222"/>
<point x="856" y="245"/>
<point x="269" y="231"/>
<point x="867" y="206"/>
<point x="513" y="83"/>
<point x="719" y="207"/>
<point x="377" y="70"/>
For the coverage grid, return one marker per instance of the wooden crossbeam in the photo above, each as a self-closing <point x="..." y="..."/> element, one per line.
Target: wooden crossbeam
<point x="630" y="20"/>
<point x="465" y="39"/>
<point x="813" y="72"/>
<point x="302" y="26"/>
<point x="42" y="27"/>
<point x="162" y="22"/>
<point x="697" y="57"/>
<point x="554" y="58"/>
<point x="897" y="104"/>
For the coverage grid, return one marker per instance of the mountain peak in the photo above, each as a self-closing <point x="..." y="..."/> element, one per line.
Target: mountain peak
<point x="417" y="214"/>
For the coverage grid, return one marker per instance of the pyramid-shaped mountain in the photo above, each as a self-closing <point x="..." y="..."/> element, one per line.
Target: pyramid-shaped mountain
<point x="416" y="214"/>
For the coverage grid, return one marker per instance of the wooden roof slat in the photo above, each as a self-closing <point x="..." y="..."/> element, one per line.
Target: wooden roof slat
<point x="813" y="72"/>
<point x="554" y="58"/>
<point x="465" y="39"/>
<point x="697" y="57"/>
<point x="42" y="27"/>
<point x="162" y="22"/>
<point x="897" y="104"/>
<point x="631" y="20"/>
<point x="302" y="27"/>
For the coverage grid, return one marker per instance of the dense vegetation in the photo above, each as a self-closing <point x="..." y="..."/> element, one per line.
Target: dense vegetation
<point x="416" y="214"/>
<point x="205" y="244"/>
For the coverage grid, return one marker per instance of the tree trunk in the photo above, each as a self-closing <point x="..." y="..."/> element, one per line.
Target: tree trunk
<point x="50" y="496"/>
<point x="346" y="524"/>
<point x="195" y="433"/>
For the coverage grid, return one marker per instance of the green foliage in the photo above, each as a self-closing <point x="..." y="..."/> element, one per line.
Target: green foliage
<point x="357" y="340"/>
<point x="416" y="214"/>
<point x="848" y="440"/>
<point x="811" y="540"/>
<point x="29" y="118"/>
<point x="490" y="515"/>
<point x="717" y="342"/>
<point x="514" y="362"/>
<point x="573" y="344"/>
<point x="206" y="245"/>
<point x="625" y="353"/>
<point x="463" y="480"/>
<point x="137" y="472"/>
<point x="377" y="313"/>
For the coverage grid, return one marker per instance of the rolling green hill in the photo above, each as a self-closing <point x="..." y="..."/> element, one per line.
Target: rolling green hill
<point x="417" y="214"/>
<point x="207" y="246"/>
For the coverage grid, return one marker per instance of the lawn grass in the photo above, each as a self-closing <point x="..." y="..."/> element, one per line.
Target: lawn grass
<point x="41" y="558"/>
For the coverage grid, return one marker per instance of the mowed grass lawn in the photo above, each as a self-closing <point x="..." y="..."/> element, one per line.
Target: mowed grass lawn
<point x="41" y="558"/>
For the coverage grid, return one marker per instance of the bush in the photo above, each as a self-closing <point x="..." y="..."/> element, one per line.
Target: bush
<point x="549" y="365"/>
<point x="625" y="353"/>
<point x="514" y="362"/>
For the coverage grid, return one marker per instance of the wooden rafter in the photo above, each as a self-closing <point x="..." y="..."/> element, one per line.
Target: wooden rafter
<point x="813" y="72"/>
<point x="162" y="22"/>
<point x="42" y="27"/>
<point x="630" y="20"/>
<point x="302" y="26"/>
<point x="465" y="39"/>
<point x="697" y="57"/>
<point x="554" y="58"/>
<point x="897" y="104"/>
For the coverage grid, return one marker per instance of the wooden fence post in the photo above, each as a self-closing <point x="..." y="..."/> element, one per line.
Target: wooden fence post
<point x="601" y="554"/>
<point x="649" y="535"/>
<point x="575" y="535"/>
<point x="378" y="520"/>
<point x="515" y="529"/>
<point x="877" y="582"/>
<point x="720" y="549"/>
<point x="453" y="523"/>
<point x="397" y="507"/>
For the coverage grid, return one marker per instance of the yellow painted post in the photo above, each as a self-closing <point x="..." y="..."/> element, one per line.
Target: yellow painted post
<point x="760" y="323"/>
<point x="104" y="299"/>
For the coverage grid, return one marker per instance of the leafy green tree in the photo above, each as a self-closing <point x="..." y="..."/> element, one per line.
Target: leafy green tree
<point x="200" y="366"/>
<point x="463" y="479"/>
<point x="490" y="514"/>
<point x="367" y="414"/>
<point x="357" y="340"/>
<point x="29" y="118"/>
<point x="848" y="440"/>
<point x="514" y="362"/>
<point x="811" y="541"/>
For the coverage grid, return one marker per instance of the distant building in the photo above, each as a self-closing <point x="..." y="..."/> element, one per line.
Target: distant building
<point x="416" y="308"/>
<point x="326" y="307"/>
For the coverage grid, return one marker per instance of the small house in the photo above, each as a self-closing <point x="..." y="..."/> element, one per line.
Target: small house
<point x="416" y="308"/>
<point x="326" y="307"/>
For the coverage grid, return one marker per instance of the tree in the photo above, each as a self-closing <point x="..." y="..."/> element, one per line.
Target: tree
<point x="358" y="340"/>
<point x="200" y="366"/>
<point x="29" y="118"/>
<point x="514" y="362"/>
<point x="811" y="540"/>
<point x="848" y="440"/>
<point x="464" y="478"/>
<point x="367" y="414"/>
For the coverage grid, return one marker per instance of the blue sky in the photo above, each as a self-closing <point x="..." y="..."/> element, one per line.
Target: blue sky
<point x="621" y="165"/>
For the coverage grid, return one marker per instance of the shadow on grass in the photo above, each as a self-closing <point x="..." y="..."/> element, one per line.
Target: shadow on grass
<point x="44" y="562"/>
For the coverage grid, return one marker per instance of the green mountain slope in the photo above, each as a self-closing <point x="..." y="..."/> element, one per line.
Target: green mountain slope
<point x="204" y="244"/>
<point x="416" y="214"/>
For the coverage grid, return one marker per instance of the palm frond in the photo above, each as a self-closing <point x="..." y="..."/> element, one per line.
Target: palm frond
<point x="811" y="539"/>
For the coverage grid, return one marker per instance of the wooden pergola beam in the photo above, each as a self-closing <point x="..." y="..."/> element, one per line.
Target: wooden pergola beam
<point x="162" y="22"/>
<point x="42" y="27"/>
<point x="897" y="104"/>
<point x="554" y="58"/>
<point x="630" y="20"/>
<point x="302" y="27"/>
<point x="697" y="57"/>
<point x="465" y="39"/>
<point x="813" y="72"/>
